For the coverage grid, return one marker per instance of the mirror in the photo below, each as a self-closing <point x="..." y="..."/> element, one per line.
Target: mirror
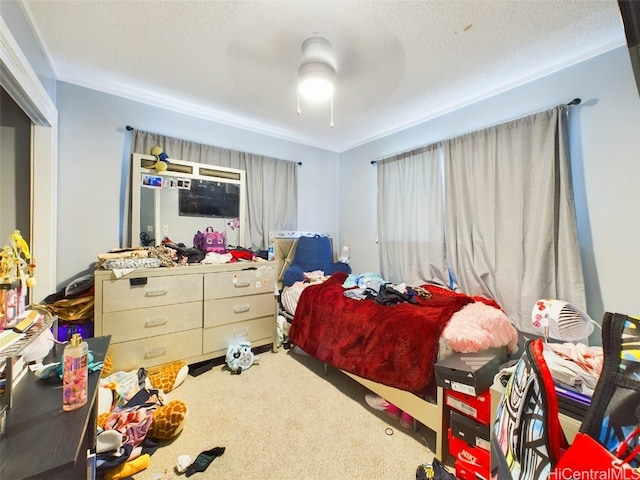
<point x="185" y="198"/>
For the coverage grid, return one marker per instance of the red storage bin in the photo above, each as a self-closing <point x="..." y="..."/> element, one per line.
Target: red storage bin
<point x="478" y="408"/>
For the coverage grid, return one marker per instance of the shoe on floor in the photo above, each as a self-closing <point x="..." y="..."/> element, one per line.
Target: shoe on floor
<point x="406" y="420"/>
<point x="378" y="403"/>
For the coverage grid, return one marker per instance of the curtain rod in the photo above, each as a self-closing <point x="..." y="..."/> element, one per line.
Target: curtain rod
<point x="130" y="128"/>
<point x="575" y="101"/>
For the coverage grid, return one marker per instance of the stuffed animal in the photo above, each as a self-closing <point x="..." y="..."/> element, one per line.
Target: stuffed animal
<point x="118" y="387"/>
<point x="162" y="159"/>
<point x="345" y="254"/>
<point x="168" y="420"/>
<point x="168" y="377"/>
<point x="240" y="357"/>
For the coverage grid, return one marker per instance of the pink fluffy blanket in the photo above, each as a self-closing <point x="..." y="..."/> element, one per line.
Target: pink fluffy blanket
<point x="478" y="326"/>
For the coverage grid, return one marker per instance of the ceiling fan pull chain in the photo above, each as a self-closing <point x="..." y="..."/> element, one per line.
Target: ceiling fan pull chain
<point x="331" y="123"/>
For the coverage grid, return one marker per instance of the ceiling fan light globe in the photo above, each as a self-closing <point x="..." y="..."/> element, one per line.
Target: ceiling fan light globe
<point x="316" y="81"/>
<point x="316" y="89"/>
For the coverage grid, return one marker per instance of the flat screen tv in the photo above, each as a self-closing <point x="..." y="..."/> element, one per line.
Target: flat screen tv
<point x="207" y="198"/>
<point x="630" y="11"/>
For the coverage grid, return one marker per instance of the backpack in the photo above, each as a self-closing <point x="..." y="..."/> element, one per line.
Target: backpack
<point x="608" y="444"/>
<point x="527" y="439"/>
<point x="210" y="241"/>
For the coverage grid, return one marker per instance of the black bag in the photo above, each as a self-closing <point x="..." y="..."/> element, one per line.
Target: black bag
<point x="433" y="471"/>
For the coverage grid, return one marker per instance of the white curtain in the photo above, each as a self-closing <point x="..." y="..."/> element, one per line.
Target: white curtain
<point x="272" y="184"/>
<point x="510" y="214"/>
<point x="411" y="217"/>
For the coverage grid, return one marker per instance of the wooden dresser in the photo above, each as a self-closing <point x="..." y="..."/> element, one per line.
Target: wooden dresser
<point x="192" y="313"/>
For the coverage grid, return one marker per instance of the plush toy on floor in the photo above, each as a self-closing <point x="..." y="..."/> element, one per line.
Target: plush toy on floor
<point x="168" y="377"/>
<point x="119" y="387"/>
<point x="240" y="357"/>
<point x="156" y="420"/>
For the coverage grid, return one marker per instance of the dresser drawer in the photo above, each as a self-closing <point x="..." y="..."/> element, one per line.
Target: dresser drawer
<point x="240" y="282"/>
<point x="148" y="322"/>
<point x="238" y="309"/>
<point x="258" y="331"/>
<point x="157" y="350"/>
<point x="131" y="293"/>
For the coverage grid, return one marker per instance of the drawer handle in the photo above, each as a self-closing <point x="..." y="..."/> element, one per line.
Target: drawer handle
<point x="242" y="284"/>
<point x="154" y="352"/>
<point x="241" y="308"/>
<point x="156" y="322"/>
<point x="155" y="293"/>
<point x="241" y="332"/>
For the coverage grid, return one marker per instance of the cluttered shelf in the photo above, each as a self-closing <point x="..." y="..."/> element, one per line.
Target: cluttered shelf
<point x="14" y="342"/>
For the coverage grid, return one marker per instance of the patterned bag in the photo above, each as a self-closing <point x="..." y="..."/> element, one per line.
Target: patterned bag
<point x="608" y="445"/>
<point x="527" y="439"/>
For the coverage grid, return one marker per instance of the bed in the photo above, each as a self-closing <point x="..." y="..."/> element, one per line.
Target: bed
<point x="392" y="350"/>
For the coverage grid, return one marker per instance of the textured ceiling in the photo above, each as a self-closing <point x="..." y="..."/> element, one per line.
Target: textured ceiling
<point x="398" y="62"/>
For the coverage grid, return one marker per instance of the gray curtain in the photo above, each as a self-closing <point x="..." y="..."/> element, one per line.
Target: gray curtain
<point x="510" y="214"/>
<point x="272" y="184"/>
<point x="411" y="217"/>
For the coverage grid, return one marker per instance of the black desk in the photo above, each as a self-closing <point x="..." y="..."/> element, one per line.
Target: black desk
<point x="42" y="440"/>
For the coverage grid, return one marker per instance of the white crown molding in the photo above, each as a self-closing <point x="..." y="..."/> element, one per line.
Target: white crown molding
<point x="21" y="82"/>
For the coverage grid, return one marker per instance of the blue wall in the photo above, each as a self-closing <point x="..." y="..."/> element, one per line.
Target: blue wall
<point x="94" y="163"/>
<point x="605" y="138"/>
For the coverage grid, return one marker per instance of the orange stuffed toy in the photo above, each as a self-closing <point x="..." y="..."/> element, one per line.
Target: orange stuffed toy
<point x="168" y="418"/>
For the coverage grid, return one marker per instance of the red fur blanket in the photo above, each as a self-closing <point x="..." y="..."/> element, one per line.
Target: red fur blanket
<point x="394" y="345"/>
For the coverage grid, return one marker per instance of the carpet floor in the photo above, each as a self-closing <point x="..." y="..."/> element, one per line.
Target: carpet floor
<point x="284" y="418"/>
